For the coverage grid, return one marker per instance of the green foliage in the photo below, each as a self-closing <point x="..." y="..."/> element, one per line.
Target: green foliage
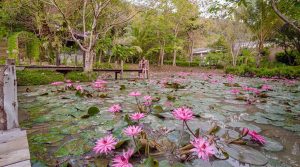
<point x="218" y="59"/>
<point x="183" y="63"/>
<point x="103" y="65"/>
<point x="289" y="57"/>
<point x="37" y="77"/>
<point x="12" y="44"/>
<point x="221" y="44"/>
<point x="281" y="71"/>
<point x="81" y="76"/>
<point x="32" y="45"/>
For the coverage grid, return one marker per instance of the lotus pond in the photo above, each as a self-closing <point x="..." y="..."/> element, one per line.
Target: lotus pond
<point x="64" y="121"/>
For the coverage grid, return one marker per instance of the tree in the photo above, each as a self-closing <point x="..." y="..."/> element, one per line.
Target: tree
<point x="294" y="7"/>
<point x="182" y="16"/>
<point x="261" y="20"/>
<point x="88" y="21"/>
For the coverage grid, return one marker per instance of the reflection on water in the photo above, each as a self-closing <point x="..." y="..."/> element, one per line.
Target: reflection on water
<point x="56" y="130"/>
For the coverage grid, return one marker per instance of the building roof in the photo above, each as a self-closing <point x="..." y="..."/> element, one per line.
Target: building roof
<point x="201" y="50"/>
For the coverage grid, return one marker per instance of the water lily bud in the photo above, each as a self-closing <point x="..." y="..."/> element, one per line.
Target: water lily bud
<point x="245" y="131"/>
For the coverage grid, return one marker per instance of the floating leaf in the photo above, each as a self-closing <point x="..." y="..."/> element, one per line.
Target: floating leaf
<point x="122" y="87"/>
<point x="128" y="120"/>
<point x="158" y="109"/>
<point x="272" y="145"/>
<point x="246" y="154"/>
<point x="121" y="143"/>
<point x="150" y="162"/>
<point x="73" y="147"/>
<point x="93" y="111"/>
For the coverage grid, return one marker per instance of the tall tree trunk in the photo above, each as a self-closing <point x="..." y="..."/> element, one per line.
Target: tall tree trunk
<point x="162" y="54"/>
<point x="122" y="69"/>
<point x="88" y="65"/>
<point x="191" y="50"/>
<point x="174" y="57"/>
<point x="233" y="56"/>
<point x="57" y="59"/>
<point x="100" y="56"/>
<point x="260" y="48"/>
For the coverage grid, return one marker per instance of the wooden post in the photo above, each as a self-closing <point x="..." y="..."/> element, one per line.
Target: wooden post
<point x="8" y="96"/>
<point x="122" y="68"/>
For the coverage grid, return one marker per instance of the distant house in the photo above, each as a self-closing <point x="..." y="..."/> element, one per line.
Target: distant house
<point x="201" y="51"/>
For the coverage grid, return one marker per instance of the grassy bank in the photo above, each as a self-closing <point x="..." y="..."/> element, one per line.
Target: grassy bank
<point x="44" y="77"/>
<point x="281" y="71"/>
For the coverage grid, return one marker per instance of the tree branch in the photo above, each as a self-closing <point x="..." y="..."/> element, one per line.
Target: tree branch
<point x="68" y="25"/>
<point x="284" y="18"/>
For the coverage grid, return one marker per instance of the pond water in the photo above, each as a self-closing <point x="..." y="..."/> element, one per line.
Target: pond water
<point x="60" y="134"/>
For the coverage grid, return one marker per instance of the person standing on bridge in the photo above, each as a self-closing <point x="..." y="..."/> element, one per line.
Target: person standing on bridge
<point x="144" y="66"/>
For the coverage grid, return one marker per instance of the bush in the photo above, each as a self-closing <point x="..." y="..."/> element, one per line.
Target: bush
<point x="103" y="65"/>
<point x="281" y="71"/>
<point x="37" y="77"/>
<point x="289" y="58"/>
<point x="183" y="63"/>
<point x="81" y="76"/>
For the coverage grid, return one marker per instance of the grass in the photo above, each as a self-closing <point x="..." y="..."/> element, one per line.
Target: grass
<point x="37" y="77"/>
<point x="44" y="77"/>
<point x="280" y="71"/>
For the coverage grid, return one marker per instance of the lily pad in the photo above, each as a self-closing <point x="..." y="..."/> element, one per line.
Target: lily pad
<point x="73" y="147"/>
<point x="272" y="145"/>
<point x="93" y="111"/>
<point x="246" y="154"/>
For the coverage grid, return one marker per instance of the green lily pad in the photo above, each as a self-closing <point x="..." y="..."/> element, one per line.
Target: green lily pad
<point x="47" y="138"/>
<point x="150" y="162"/>
<point x="272" y="145"/>
<point x="93" y="111"/>
<point x="246" y="154"/>
<point x="73" y="147"/>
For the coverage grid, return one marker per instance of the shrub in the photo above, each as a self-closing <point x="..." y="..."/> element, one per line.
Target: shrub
<point x="37" y="77"/>
<point x="183" y="63"/>
<point x="81" y="76"/>
<point x="281" y="71"/>
<point x="289" y="58"/>
<point x="103" y="65"/>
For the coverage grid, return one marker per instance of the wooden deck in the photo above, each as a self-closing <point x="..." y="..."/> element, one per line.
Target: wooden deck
<point x="14" y="149"/>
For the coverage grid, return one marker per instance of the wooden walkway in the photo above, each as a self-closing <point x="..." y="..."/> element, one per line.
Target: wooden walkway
<point x="65" y="69"/>
<point x="14" y="149"/>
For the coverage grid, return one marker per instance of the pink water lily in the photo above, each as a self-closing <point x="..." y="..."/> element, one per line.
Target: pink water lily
<point x="256" y="137"/>
<point x="105" y="145"/>
<point x="69" y="85"/>
<point x="57" y="83"/>
<point x="132" y="130"/>
<point x="137" y="116"/>
<point x="123" y="160"/>
<point x="79" y="88"/>
<point x="230" y="79"/>
<point x="266" y="87"/>
<point x="245" y="131"/>
<point x="99" y="81"/>
<point x="183" y="113"/>
<point x="68" y="81"/>
<point x="115" y="108"/>
<point x="202" y="147"/>
<point x="235" y="91"/>
<point x="98" y="85"/>
<point x="135" y="93"/>
<point x="147" y="98"/>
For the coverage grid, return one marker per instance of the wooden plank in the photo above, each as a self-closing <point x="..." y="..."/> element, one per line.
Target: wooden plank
<point x="14" y="145"/>
<point x="20" y="164"/>
<point x="14" y="157"/>
<point x="10" y="134"/>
